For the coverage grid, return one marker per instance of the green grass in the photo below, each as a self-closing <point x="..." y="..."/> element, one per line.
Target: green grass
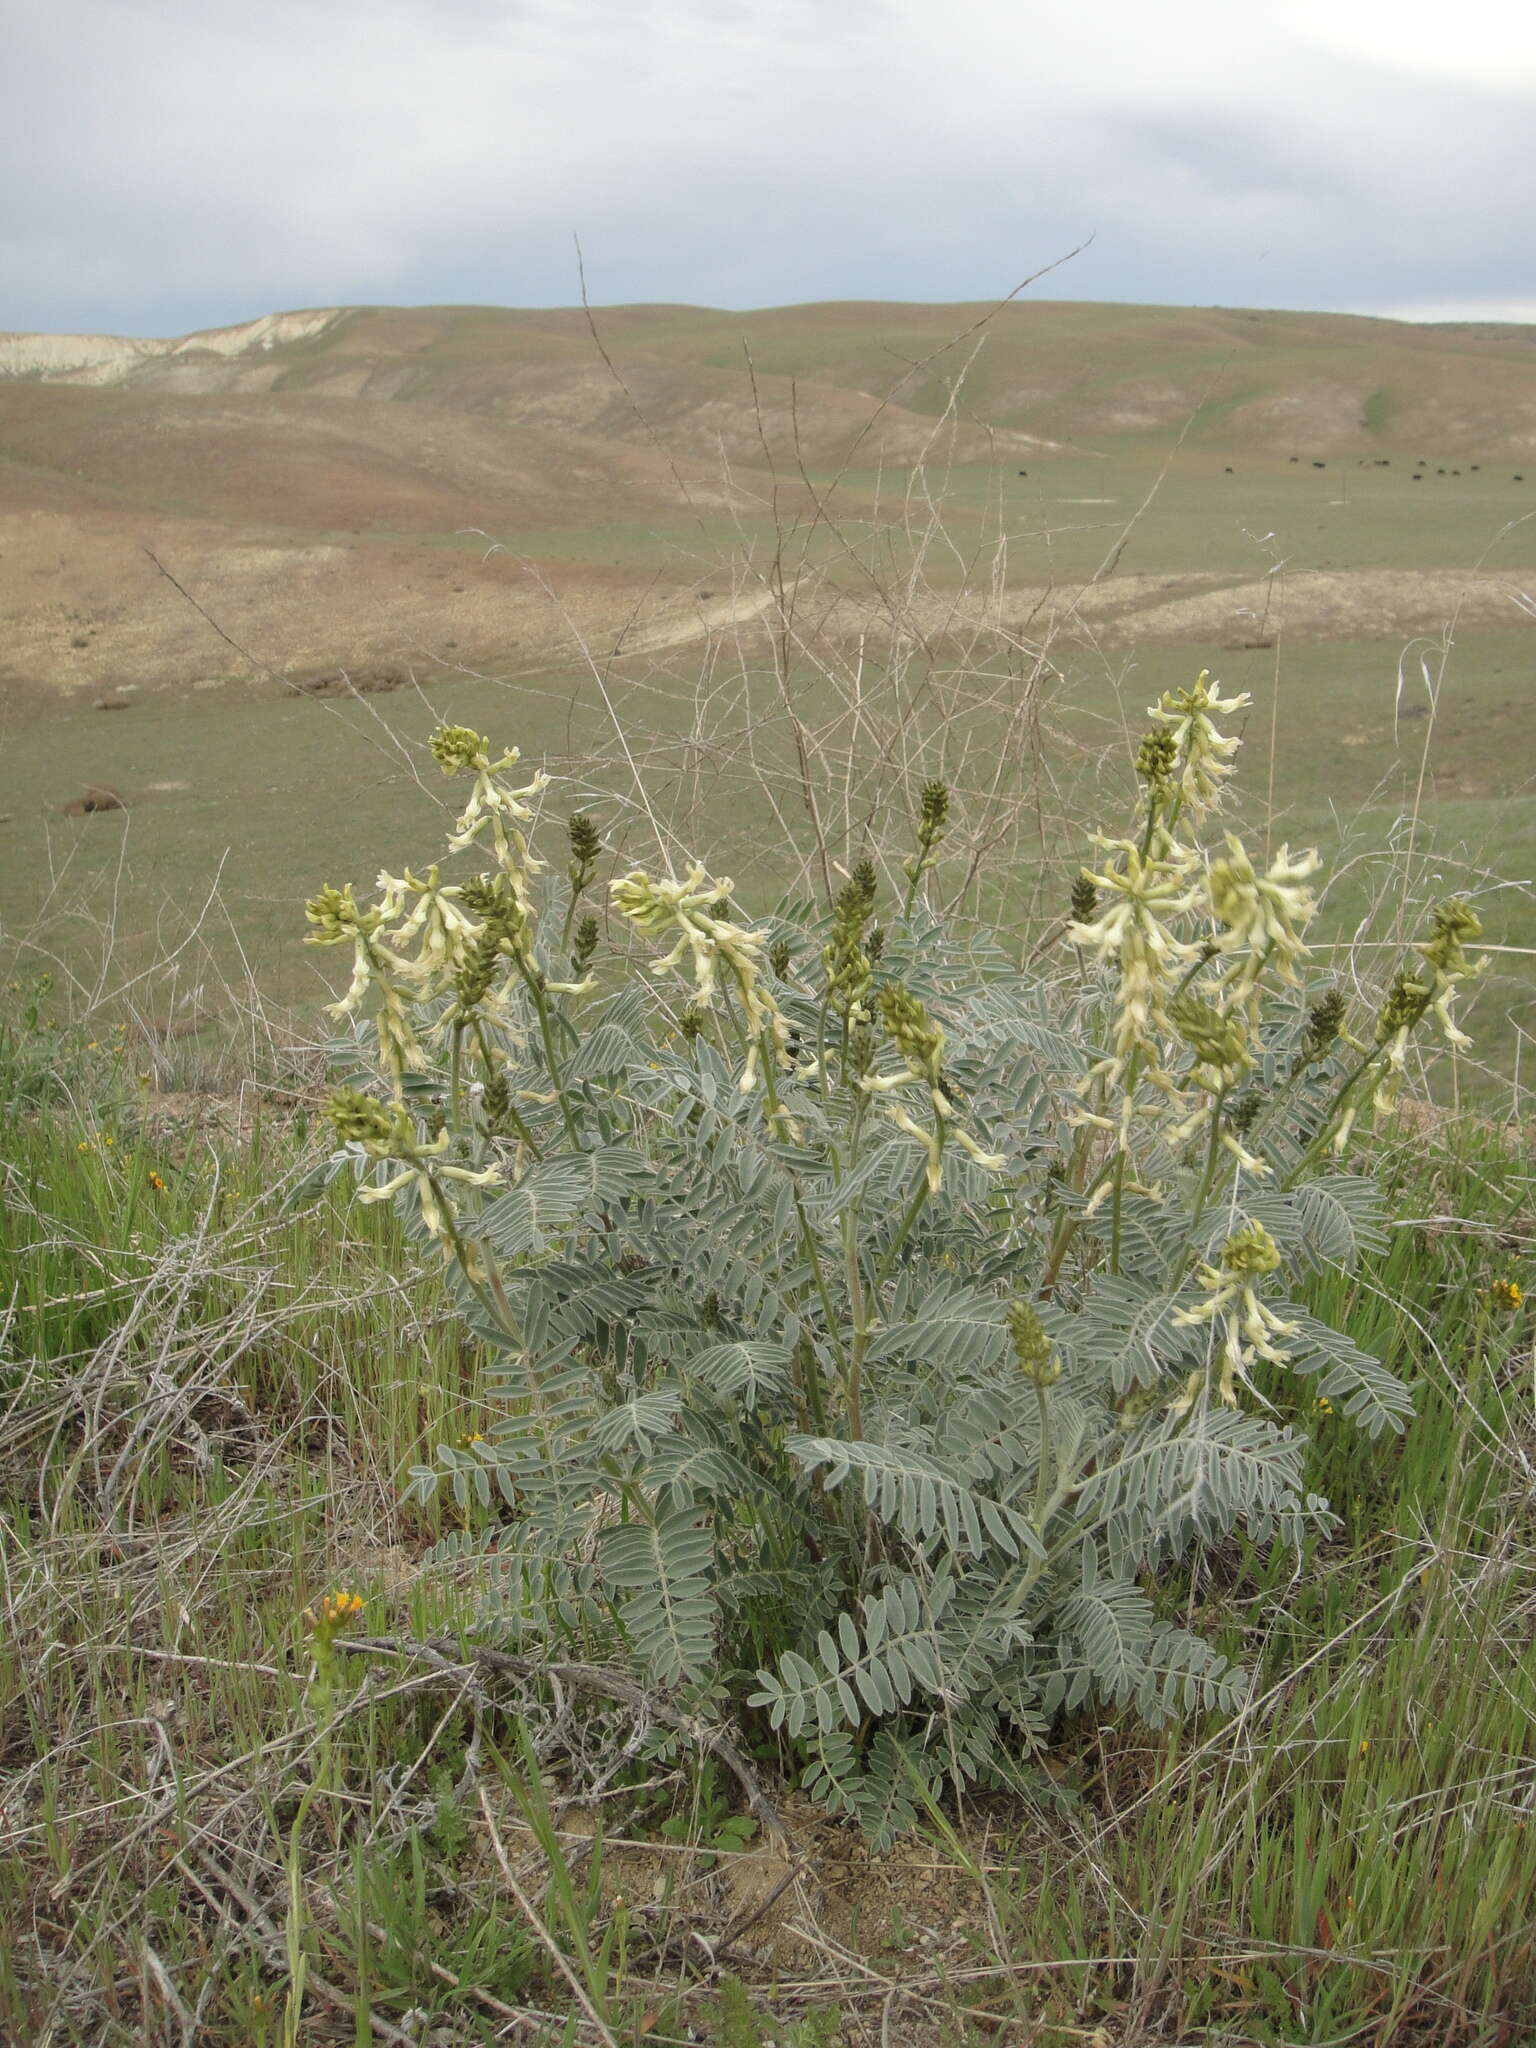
<point x="214" y="1373"/>
<point x="272" y="795"/>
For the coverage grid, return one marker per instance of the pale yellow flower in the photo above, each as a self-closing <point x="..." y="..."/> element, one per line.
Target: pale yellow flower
<point x="1205" y="755"/>
<point x="1249" y="1327"/>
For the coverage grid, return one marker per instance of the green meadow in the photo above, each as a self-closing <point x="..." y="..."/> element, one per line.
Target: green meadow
<point x="244" y="796"/>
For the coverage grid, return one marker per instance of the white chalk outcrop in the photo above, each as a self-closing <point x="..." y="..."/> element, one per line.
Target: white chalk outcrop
<point x="113" y="358"/>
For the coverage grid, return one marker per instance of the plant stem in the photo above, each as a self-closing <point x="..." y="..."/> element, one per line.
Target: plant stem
<point x="914" y="1209"/>
<point x="1202" y="1193"/>
<point x="546" y="1033"/>
<point x="1069" y="1227"/>
<point x="1330" y="1122"/>
<point x="1046" y="1472"/>
<point x="513" y="1113"/>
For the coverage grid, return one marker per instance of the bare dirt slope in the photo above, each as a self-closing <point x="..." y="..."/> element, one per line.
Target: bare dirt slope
<point x="317" y="480"/>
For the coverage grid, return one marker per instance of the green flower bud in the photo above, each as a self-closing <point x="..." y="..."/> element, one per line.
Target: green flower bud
<point x="918" y="1039"/>
<point x="844" y="956"/>
<point x="932" y="819"/>
<point x="1032" y="1348"/>
<point x="874" y="943"/>
<point x="1251" y="1252"/>
<point x="359" y="1119"/>
<point x="1217" y="1038"/>
<point x="1157" y="757"/>
<point x="473" y="981"/>
<point x="491" y="897"/>
<point x="1085" y="900"/>
<point x="496" y="1101"/>
<point x="457" y="747"/>
<point x="1407" y="1000"/>
<point x="1453" y="925"/>
<point x="690" y="1022"/>
<point x="779" y="957"/>
<point x="583" y="946"/>
<point x="1325" y="1020"/>
<point x="861" y="1053"/>
<point x="335" y="916"/>
<point x="585" y="848"/>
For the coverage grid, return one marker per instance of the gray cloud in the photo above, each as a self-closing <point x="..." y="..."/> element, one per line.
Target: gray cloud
<point x="179" y="163"/>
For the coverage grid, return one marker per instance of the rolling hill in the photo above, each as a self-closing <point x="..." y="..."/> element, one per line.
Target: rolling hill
<point x="483" y="486"/>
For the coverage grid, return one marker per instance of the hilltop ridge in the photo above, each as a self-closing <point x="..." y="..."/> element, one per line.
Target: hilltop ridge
<point x="1047" y="371"/>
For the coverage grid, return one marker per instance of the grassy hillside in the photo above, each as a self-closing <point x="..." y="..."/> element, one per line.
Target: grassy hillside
<point x="1306" y="383"/>
<point x="469" y="510"/>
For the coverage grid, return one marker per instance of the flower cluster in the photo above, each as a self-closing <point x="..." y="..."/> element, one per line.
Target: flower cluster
<point x="492" y="805"/>
<point x="1264" y="915"/>
<point x="1249" y="1327"/>
<point x="919" y="1039"/>
<point x="326" y="1620"/>
<point x="387" y="1131"/>
<point x="693" y="910"/>
<point x="1033" y="1351"/>
<point x="932" y="823"/>
<point x="845" y="956"/>
<point x="1133" y="933"/>
<point x="426" y="939"/>
<point x="1202" y="755"/>
<point x="1453" y="924"/>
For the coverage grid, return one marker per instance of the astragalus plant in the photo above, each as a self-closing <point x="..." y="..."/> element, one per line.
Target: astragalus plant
<point x="874" y="1322"/>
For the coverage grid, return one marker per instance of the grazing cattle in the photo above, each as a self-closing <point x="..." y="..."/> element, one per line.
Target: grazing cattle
<point x="1023" y="472"/>
<point x="1319" y="465"/>
<point x="1417" y="477"/>
<point x="1519" y="479"/>
<point x="1295" y="458"/>
<point x="1228" y="470"/>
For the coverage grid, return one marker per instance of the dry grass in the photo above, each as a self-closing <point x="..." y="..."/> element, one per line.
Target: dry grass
<point x="211" y="1387"/>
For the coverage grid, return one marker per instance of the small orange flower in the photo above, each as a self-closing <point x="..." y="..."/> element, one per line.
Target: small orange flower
<point x="332" y="1614"/>
<point x="1506" y="1294"/>
<point x="157" y="1183"/>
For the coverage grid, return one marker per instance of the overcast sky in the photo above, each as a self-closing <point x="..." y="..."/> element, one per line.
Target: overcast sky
<point x="171" y="164"/>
